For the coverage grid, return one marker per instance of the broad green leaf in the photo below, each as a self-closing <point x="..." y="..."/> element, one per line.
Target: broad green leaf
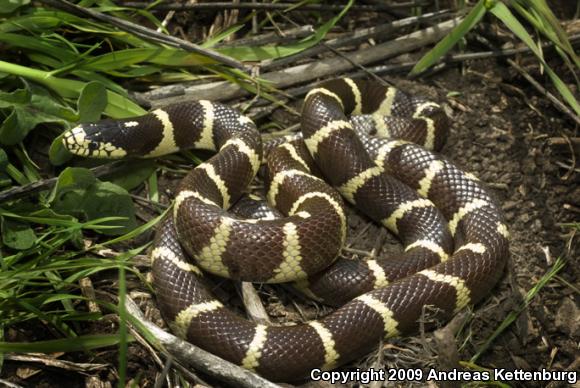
<point x="92" y="102"/>
<point x="118" y="106"/>
<point x="17" y="97"/>
<point x="57" y="153"/>
<point x="75" y="177"/>
<point x="80" y="194"/>
<point x="133" y="174"/>
<point x="26" y="109"/>
<point x="502" y="12"/>
<point x="447" y="43"/>
<point x="17" y="235"/>
<point x="8" y="6"/>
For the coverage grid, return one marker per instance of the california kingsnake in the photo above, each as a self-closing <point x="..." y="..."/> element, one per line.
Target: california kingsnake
<point x="456" y="263"/>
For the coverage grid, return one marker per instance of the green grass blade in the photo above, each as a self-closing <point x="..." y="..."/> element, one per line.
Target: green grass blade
<point x="81" y="343"/>
<point x="213" y="40"/>
<point x="492" y="382"/>
<point x="246" y="53"/>
<point x="118" y="106"/>
<point x="502" y="12"/>
<point x="555" y="28"/>
<point x="158" y="55"/>
<point x="40" y="45"/>
<point x="447" y="43"/>
<point x="135" y="232"/>
<point x="512" y="316"/>
<point x="122" y="327"/>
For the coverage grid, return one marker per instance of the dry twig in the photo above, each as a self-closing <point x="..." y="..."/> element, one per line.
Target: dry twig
<point x="254" y="307"/>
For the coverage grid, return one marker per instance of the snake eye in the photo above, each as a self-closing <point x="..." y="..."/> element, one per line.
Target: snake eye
<point x="93" y="145"/>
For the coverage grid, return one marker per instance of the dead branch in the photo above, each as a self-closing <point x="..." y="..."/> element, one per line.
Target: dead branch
<point x="356" y="37"/>
<point x="46" y="184"/>
<point x="285" y="7"/>
<point x="272" y="37"/>
<point x="224" y="90"/>
<point x="254" y="307"/>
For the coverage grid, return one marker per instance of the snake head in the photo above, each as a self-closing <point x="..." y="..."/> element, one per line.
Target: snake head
<point x="95" y="140"/>
<point x="146" y="136"/>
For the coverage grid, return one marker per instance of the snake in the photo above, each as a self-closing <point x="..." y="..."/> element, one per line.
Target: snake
<point x="373" y="146"/>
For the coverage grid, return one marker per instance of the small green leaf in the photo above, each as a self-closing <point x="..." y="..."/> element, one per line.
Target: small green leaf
<point x="450" y="40"/>
<point x="453" y="93"/>
<point x="80" y="194"/>
<point x="26" y="108"/>
<point x="118" y="107"/>
<point x="75" y="177"/>
<point x="17" y="235"/>
<point x="489" y="4"/>
<point x="133" y="174"/>
<point x="57" y="153"/>
<point x="92" y="102"/>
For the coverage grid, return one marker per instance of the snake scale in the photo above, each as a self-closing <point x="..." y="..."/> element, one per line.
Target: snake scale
<point x="456" y="243"/>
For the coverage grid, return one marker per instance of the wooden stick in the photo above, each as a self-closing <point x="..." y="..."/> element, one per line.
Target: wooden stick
<point x="46" y="184"/>
<point x="272" y="37"/>
<point x="225" y="90"/>
<point x="287" y="7"/>
<point x="564" y="141"/>
<point x="254" y="307"/>
<point x="144" y="32"/>
<point x="356" y="37"/>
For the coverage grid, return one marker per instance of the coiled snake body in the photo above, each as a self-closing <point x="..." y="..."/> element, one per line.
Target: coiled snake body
<point x="445" y="264"/>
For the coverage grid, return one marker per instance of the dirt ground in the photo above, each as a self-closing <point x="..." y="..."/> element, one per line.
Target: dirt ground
<point x="501" y="131"/>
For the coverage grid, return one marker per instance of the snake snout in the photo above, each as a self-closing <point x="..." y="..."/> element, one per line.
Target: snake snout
<point x="90" y="140"/>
